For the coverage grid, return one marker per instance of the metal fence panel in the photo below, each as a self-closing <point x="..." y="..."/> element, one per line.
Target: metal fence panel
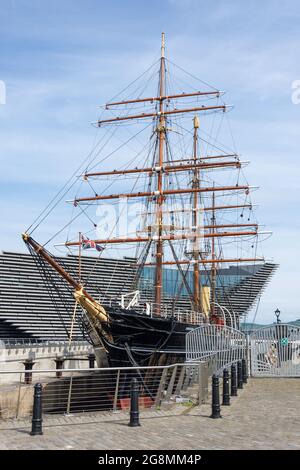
<point x="218" y="344"/>
<point x="71" y="391"/>
<point x="275" y="351"/>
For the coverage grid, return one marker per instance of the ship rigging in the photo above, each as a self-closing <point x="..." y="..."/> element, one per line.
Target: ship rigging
<point x="188" y="219"/>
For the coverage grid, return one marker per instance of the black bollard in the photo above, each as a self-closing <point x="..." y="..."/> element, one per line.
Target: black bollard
<point x="215" y="404"/>
<point x="59" y="361"/>
<point x="226" y="396"/>
<point x="36" y="423"/>
<point x="134" y="404"/>
<point x="28" y="363"/>
<point x="233" y="381"/>
<point x="240" y="374"/>
<point x="244" y="371"/>
<point x="91" y="358"/>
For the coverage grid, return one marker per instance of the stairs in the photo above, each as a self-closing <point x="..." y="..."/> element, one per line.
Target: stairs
<point x="242" y="297"/>
<point x="28" y="311"/>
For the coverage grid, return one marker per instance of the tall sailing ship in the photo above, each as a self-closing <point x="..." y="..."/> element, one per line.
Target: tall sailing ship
<point x="192" y="213"/>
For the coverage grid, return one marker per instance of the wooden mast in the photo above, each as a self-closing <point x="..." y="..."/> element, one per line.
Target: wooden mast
<point x="79" y="257"/>
<point x="196" y="184"/>
<point x="160" y="198"/>
<point x="213" y="257"/>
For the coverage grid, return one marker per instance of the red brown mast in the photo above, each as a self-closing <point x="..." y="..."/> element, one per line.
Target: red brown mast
<point x="196" y="184"/>
<point x="213" y="257"/>
<point x="160" y="198"/>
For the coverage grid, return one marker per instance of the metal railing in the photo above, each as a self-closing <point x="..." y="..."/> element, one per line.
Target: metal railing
<point x="167" y="311"/>
<point x="69" y="391"/>
<point x="11" y="342"/>
<point x="180" y="314"/>
<point x="151" y="309"/>
<point x="226" y="312"/>
<point x="218" y="344"/>
<point x="275" y="351"/>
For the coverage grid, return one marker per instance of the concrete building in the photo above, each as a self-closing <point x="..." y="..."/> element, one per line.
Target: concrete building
<point x="28" y="309"/>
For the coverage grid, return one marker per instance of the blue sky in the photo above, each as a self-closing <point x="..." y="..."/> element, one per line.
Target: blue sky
<point x="59" y="60"/>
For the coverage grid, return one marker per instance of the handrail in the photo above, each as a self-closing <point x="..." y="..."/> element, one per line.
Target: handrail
<point x="96" y="369"/>
<point x="38" y="342"/>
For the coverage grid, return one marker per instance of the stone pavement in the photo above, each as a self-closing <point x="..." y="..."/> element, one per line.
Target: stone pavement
<point x="265" y="415"/>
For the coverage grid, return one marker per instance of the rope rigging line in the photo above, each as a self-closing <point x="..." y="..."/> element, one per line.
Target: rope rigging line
<point x="76" y="216"/>
<point x="186" y="284"/>
<point x="35" y="223"/>
<point x="113" y="229"/>
<point x="119" y="147"/>
<point x="141" y="263"/>
<point x="54" y="287"/>
<point x="221" y="147"/>
<point x="134" y="81"/>
<point x="176" y="141"/>
<point x="191" y="75"/>
<point x="69" y="184"/>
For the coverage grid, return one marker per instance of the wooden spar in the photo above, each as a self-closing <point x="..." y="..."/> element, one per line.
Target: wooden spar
<point x="205" y="227"/>
<point x="163" y="98"/>
<point x="95" y="312"/>
<point x="204" y="166"/>
<point x="229" y="226"/>
<point x="196" y="184"/>
<point x="238" y="206"/>
<point x="173" y="211"/>
<point x="212" y="157"/>
<point x="166" y="168"/>
<point x="183" y="236"/>
<point x="209" y="261"/>
<point x="160" y="199"/>
<point x="161" y="193"/>
<point x="40" y="250"/>
<point x="160" y="114"/>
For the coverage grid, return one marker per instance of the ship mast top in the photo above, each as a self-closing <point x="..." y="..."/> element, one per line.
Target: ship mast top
<point x="162" y="45"/>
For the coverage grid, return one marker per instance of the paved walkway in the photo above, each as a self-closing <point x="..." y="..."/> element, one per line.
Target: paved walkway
<point x="265" y="415"/>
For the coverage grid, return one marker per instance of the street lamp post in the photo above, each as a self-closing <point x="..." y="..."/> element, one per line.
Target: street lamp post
<point x="277" y="313"/>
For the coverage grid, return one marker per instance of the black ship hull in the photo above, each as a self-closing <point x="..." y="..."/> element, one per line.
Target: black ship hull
<point x="139" y="339"/>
